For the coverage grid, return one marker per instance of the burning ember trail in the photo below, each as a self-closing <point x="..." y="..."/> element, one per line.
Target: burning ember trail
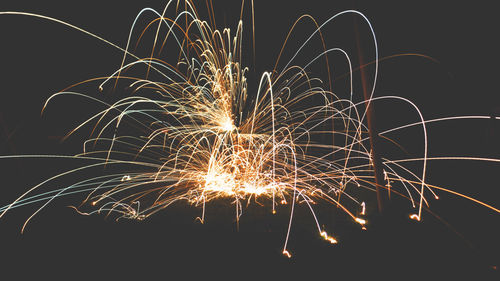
<point x="194" y="130"/>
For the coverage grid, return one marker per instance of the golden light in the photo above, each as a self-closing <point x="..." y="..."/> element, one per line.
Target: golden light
<point x="328" y="238"/>
<point x="360" y="221"/>
<point x="415" y="217"/>
<point x="227" y="124"/>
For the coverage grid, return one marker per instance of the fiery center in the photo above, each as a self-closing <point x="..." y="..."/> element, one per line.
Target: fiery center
<point x="232" y="184"/>
<point x="226" y="124"/>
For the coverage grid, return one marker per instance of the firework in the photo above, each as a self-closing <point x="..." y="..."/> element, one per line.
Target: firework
<point x="194" y="130"/>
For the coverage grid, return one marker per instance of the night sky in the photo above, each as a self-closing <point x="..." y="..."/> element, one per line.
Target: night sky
<point x="458" y="76"/>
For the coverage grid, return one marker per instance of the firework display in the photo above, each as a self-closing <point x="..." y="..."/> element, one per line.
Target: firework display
<point x="192" y="130"/>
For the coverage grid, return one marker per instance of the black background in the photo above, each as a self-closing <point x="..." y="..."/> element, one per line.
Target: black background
<point x="39" y="58"/>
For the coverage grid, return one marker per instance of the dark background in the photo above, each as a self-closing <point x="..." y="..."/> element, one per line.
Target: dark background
<point x="39" y="58"/>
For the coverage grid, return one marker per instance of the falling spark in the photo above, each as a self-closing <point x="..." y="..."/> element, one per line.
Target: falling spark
<point x="360" y="221"/>
<point x="415" y="217"/>
<point x="328" y="237"/>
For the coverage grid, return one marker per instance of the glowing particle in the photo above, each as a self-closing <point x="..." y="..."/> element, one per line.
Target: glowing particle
<point x="227" y="125"/>
<point x="360" y="221"/>
<point x="287" y="254"/>
<point x="415" y="217"/>
<point x="328" y="238"/>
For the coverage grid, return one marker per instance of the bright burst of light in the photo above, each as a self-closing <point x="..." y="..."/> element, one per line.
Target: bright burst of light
<point x="196" y="132"/>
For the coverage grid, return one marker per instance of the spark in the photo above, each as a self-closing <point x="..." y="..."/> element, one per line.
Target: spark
<point x="415" y="217"/>
<point x="360" y="221"/>
<point x="328" y="237"/>
<point x="287" y="254"/>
